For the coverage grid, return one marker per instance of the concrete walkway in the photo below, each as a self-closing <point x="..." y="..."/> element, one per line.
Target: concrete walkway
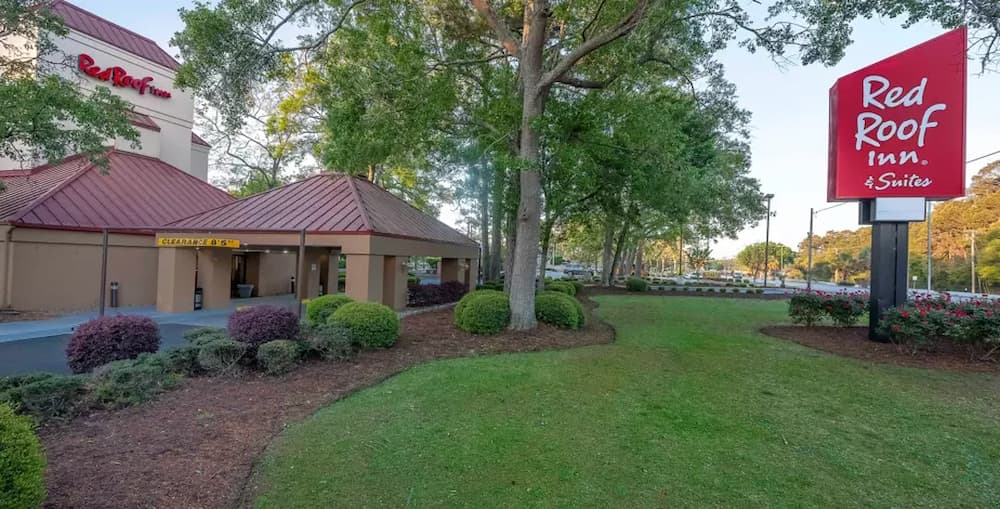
<point x="18" y="331"/>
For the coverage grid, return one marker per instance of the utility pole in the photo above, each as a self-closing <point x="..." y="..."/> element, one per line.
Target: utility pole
<point x="767" y="237"/>
<point x="809" y="263"/>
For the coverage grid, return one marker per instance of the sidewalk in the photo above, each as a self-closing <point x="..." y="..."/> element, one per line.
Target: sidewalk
<point x="18" y="331"/>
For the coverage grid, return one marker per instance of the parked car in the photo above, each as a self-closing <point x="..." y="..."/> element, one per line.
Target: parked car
<point x="556" y="274"/>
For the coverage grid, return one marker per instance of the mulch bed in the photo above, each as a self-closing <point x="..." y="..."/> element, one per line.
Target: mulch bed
<point x="195" y="447"/>
<point x="690" y="293"/>
<point x="853" y="342"/>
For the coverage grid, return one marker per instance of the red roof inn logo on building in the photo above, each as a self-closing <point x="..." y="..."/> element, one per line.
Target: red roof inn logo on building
<point x="120" y="78"/>
<point x="897" y="127"/>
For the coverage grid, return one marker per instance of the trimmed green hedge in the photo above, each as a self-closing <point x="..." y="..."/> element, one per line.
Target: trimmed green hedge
<point x="278" y="357"/>
<point x="557" y="309"/>
<point x="22" y="463"/>
<point x="636" y="284"/>
<point x="483" y="312"/>
<point x="562" y="287"/>
<point x="221" y="356"/>
<point x="318" y="310"/>
<point x="372" y="325"/>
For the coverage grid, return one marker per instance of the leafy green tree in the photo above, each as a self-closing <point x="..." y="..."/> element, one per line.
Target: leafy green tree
<point x="45" y="116"/>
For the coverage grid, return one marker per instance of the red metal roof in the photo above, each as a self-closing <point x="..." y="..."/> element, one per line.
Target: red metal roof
<point x="113" y="34"/>
<point x="136" y="193"/>
<point x="324" y="203"/>
<point x="197" y="140"/>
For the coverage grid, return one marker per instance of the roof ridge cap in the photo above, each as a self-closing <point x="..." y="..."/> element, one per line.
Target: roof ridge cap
<point x="362" y="206"/>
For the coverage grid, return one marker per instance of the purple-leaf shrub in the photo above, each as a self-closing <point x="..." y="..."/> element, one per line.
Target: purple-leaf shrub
<point x="432" y="295"/>
<point x="111" y="338"/>
<point x="259" y="324"/>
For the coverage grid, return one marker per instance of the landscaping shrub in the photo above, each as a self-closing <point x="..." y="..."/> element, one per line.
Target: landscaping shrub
<point x="578" y="286"/>
<point x="412" y="280"/>
<point x="183" y="360"/>
<point x="635" y="284"/>
<point x="698" y="289"/>
<point x="843" y="308"/>
<point x="130" y="382"/>
<point x="433" y="295"/>
<point x="278" y="357"/>
<point x="805" y="308"/>
<point x="111" y="338"/>
<point x="328" y="342"/>
<point x="318" y="310"/>
<point x="471" y="295"/>
<point x="372" y="325"/>
<point x="562" y="287"/>
<point x="491" y="285"/>
<point x="201" y="335"/>
<point x="46" y="398"/>
<point x="759" y="290"/>
<point x="557" y="309"/>
<point x="259" y="324"/>
<point x="222" y="356"/>
<point x="483" y="312"/>
<point x="974" y="324"/>
<point x="22" y="463"/>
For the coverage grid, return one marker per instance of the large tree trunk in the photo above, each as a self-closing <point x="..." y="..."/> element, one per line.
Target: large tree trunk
<point x="525" y="265"/>
<point x="619" y="247"/>
<point x="498" y="191"/>
<point x="546" y="239"/>
<point x="607" y="262"/>
<point x="638" y="257"/>
<point x="484" y="219"/>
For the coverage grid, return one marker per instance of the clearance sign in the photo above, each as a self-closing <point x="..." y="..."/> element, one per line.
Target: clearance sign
<point x="197" y="242"/>
<point x="897" y="127"/>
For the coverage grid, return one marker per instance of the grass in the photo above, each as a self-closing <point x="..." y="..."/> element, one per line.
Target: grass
<point x="690" y="407"/>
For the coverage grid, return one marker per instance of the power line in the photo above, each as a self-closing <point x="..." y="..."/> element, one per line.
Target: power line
<point x="982" y="157"/>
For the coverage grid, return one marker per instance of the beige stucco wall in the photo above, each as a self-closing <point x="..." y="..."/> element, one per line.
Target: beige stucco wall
<point x="276" y="269"/>
<point x="56" y="270"/>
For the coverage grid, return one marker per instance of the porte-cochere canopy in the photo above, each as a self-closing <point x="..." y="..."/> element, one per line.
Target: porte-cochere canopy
<point x="323" y="216"/>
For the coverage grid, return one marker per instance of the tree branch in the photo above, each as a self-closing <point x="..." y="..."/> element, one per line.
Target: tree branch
<point x="622" y="28"/>
<point x="326" y="35"/>
<point x="500" y="28"/>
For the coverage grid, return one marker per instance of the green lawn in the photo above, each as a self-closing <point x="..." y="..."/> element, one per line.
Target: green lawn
<point x="690" y="407"/>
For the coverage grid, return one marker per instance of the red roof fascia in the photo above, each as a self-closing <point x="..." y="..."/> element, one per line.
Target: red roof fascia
<point x="197" y="140"/>
<point x="144" y="121"/>
<point x="116" y="35"/>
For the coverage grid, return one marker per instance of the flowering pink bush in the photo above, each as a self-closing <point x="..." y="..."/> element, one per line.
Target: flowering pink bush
<point x="843" y="308"/>
<point x="926" y="319"/>
<point x="111" y="338"/>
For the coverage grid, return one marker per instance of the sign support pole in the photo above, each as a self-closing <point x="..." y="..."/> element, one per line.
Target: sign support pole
<point x="890" y="242"/>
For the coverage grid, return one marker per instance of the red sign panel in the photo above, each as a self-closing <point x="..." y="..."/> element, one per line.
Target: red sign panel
<point x="897" y="127"/>
<point x="119" y="77"/>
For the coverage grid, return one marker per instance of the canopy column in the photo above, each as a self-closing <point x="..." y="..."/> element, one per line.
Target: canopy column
<point x="473" y="273"/>
<point x="365" y="277"/>
<point x="333" y="272"/>
<point x="449" y="270"/>
<point x="175" y="277"/>
<point x="394" y="282"/>
<point x="215" y="270"/>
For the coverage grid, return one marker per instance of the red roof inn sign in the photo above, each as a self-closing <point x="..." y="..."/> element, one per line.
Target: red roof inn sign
<point x="897" y="127"/>
<point x="119" y="77"/>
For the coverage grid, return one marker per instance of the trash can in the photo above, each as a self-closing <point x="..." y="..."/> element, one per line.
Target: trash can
<point x="244" y="291"/>
<point x="197" y="298"/>
<point x="114" y="294"/>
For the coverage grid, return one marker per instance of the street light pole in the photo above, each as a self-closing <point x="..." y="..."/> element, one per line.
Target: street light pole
<point x="767" y="237"/>
<point x="973" y="286"/>
<point x="930" y="208"/>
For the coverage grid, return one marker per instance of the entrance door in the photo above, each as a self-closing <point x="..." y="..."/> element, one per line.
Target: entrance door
<point x="239" y="275"/>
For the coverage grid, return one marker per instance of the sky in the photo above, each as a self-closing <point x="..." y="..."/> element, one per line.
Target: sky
<point x="789" y="106"/>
